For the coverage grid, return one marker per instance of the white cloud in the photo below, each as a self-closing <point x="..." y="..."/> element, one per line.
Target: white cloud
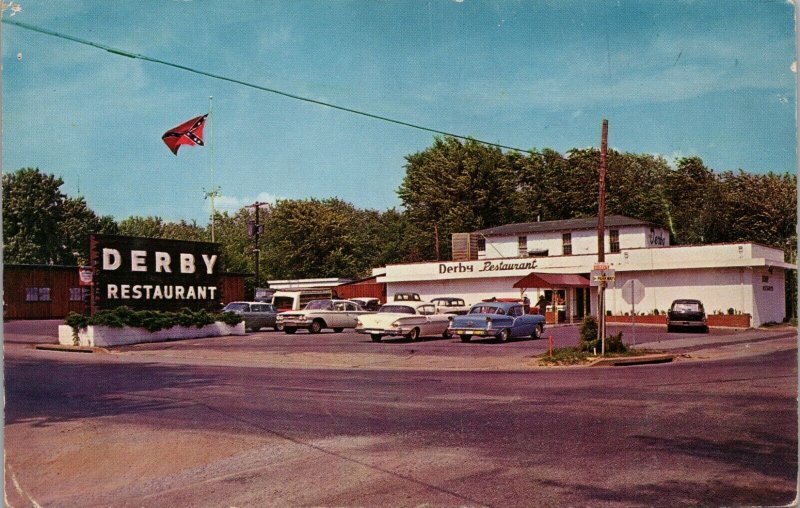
<point x="232" y="203"/>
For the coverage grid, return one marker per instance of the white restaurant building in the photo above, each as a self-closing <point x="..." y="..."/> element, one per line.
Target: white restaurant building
<point x="555" y="258"/>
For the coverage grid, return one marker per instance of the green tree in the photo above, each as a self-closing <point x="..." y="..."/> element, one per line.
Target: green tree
<point x="145" y="227"/>
<point x="318" y="238"/>
<point x="455" y="187"/>
<point x="42" y="225"/>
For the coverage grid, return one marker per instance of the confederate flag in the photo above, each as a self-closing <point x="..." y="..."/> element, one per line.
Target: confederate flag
<point x="188" y="133"/>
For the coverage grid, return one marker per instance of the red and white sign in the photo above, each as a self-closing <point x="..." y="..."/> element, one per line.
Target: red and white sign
<point x="85" y="275"/>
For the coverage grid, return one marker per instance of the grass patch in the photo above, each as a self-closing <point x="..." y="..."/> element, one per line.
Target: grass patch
<point x="574" y="356"/>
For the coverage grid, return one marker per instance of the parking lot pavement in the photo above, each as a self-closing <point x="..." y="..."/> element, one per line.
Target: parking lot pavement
<point x="349" y="350"/>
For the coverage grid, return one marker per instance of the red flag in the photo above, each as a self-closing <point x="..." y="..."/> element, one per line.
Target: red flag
<point x="188" y="133"/>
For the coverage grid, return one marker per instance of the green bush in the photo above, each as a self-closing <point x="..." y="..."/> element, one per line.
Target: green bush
<point x="588" y="335"/>
<point x="614" y="344"/>
<point x="588" y="328"/>
<point x="590" y="343"/>
<point x="150" y="320"/>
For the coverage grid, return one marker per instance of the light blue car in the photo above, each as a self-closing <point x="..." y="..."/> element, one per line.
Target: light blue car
<point x="501" y="320"/>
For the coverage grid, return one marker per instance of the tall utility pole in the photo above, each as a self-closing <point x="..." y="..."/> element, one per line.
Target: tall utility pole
<point x="601" y="237"/>
<point x="254" y="229"/>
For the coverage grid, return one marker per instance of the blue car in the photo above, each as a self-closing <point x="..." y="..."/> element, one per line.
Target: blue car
<point x="501" y="320"/>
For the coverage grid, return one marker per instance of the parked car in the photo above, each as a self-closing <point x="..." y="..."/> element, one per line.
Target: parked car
<point x="502" y="320"/>
<point x="296" y="299"/>
<point x="319" y="314"/>
<point x="404" y="319"/>
<point x="686" y="313"/>
<point x="407" y="297"/>
<point x="256" y="315"/>
<point x="450" y="305"/>
<point x="370" y="304"/>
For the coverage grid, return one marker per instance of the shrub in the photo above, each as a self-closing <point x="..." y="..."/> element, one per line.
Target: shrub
<point x="151" y="320"/>
<point x="656" y="312"/>
<point x="731" y="311"/>
<point x="588" y="329"/>
<point x="588" y="335"/>
<point x="614" y="344"/>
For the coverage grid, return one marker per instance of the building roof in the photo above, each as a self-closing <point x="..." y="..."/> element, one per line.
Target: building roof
<point x="611" y="221"/>
<point x="552" y="280"/>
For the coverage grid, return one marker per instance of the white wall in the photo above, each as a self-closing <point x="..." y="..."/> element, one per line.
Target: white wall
<point x="769" y="304"/>
<point x="471" y="290"/>
<point x="583" y="242"/>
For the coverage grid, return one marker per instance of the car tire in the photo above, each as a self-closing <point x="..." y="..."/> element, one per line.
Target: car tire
<point x="413" y="335"/>
<point x="466" y="338"/>
<point x="290" y="330"/>
<point x="278" y="328"/>
<point x="705" y="329"/>
<point x="504" y="335"/>
<point x="446" y="334"/>
<point x="538" y="330"/>
<point x="376" y="337"/>
<point x="670" y="329"/>
<point x="315" y="327"/>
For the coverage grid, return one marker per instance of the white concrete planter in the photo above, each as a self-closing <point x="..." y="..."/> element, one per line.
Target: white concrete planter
<point x="101" y="336"/>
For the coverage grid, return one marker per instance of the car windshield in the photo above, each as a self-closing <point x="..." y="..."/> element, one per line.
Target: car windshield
<point x="687" y="307"/>
<point x="486" y="309"/>
<point x="319" y="305"/>
<point x="236" y="306"/>
<point x="400" y="309"/>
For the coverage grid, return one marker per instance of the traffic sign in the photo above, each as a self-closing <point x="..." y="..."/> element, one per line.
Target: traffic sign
<point x="633" y="291"/>
<point x="598" y="276"/>
<point x="600" y="267"/>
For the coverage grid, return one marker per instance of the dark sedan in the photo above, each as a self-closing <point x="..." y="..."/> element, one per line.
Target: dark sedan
<point x="686" y="313"/>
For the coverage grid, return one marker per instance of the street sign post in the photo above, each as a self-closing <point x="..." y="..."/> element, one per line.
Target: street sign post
<point x="633" y="293"/>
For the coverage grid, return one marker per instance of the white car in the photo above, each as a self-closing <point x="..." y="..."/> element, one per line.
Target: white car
<point x="319" y="314"/>
<point x="404" y="319"/>
<point x="450" y="305"/>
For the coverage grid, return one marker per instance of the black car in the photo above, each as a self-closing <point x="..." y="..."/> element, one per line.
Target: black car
<point x="686" y="314"/>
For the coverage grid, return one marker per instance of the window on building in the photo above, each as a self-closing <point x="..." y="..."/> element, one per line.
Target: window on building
<point x="566" y="240"/>
<point x="614" y="240"/>
<point x="77" y="294"/>
<point x="37" y="294"/>
<point x="523" y="246"/>
<point x="481" y="244"/>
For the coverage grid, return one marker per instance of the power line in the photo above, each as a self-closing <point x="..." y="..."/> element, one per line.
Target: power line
<point x="137" y="56"/>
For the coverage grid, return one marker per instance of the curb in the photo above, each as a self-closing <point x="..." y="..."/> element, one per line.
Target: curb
<point x="633" y="360"/>
<point x="62" y="347"/>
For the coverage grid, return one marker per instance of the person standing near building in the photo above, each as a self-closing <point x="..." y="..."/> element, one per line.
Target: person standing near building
<point x="542" y="304"/>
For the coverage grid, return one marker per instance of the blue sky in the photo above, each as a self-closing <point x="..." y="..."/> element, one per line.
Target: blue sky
<point x="675" y="78"/>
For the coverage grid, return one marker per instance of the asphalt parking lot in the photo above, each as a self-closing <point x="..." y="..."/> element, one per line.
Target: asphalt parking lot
<point x="351" y="350"/>
<point x="269" y="419"/>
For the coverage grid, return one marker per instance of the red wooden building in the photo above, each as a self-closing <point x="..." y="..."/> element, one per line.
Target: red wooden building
<point x="364" y="288"/>
<point x="52" y="292"/>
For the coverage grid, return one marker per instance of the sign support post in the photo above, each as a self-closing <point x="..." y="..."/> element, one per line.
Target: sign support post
<point x="601" y="237"/>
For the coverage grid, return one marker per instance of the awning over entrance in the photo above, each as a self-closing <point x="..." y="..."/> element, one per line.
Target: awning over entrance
<point x="552" y="280"/>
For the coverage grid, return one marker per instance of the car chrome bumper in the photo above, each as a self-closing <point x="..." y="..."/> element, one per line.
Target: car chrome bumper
<point x="382" y="331"/>
<point x="472" y="331"/>
<point x="294" y="322"/>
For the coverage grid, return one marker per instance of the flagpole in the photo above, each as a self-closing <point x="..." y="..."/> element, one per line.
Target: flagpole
<point x="213" y="193"/>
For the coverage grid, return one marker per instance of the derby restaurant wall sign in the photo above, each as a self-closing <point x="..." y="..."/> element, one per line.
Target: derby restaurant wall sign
<point x="149" y="273"/>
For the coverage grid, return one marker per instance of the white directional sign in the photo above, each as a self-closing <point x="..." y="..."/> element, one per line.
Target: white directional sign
<point x="633" y="291"/>
<point x="598" y="276"/>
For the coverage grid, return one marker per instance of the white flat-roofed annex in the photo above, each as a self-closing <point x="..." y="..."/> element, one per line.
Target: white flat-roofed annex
<point x="715" y="256"/>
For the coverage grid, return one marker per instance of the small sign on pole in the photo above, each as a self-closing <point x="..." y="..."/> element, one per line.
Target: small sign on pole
<point x="599" y="276"/>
